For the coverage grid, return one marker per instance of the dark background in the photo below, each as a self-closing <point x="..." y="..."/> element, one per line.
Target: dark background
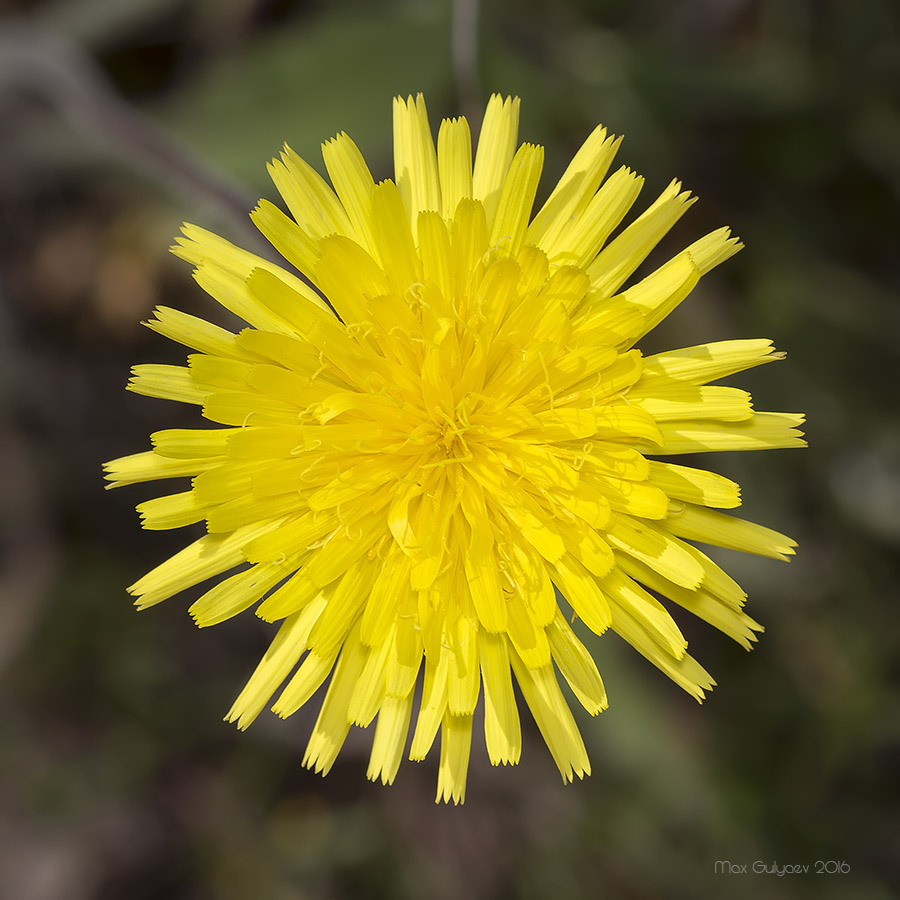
<point x="118" y="120"/>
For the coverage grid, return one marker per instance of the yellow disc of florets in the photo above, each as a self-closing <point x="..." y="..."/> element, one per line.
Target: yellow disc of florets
<point x="443" y="428"/>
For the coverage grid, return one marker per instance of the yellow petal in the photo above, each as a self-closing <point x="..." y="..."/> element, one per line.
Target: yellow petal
<point x="415" y="159"/>
<point x="616" y="460"/>
<point x="496" y="147"/>
<point x="468" y="243"/>
<point x="394" y="241"/>
<point x="537" y="464"/>
<point x="587" y="547"/>
<point x="288" y="350"/>
<point x="616" y="262"/>
<point x="290" y="537"/>
<point x="529" y="640"/>
<point x="294" y="595"/>
<point x="495" y="295"/>
<point x="434" y="703"/>
<point x="517" y="198"/>
<point x="553" y="717"/>
<point x="713" y="249"/>
<point x="166" y="383"/>
<point x="502" y="731"/>
<point x="580" y="588"/>
<point x="406" y="658"/>
<point x="456" y="742"/>
<point x="715" y="579"/>
<point x="282" y="655"/>
<point x="223" y="483"/>
<point x="454" y="158"/>
<point x="287" y="237"/>
<point x="612" y="322"/>
<point x="172" y="511"/>
<point x="586" y="502"/>
<point x="482" y="574"/>
<point x="575" y="189"/>
<point x="656" y="548"/>
<point x="576" y="665"/>
<point x="463" y="681"/>
<point x="331" y="727"/>
<point x="390" y="738"/>
<point x="535" y="525"/>
<point x="633" y="497"/>
<point x="686" y="672"/>
<point x="764" y="431"/>
<point x="352" y="541"/>
<point x="308" y="678"/>
<point x="717" y="612"/>
<point x="345" y="600"/>
<point x="530" y="577"/>
<point x="434" y="250"/>
<point x="581" y="363"/>
<point x="348" y="276"/>
<point x="239" y="592"/>
<point x="369" y="692"/>
<point x="245" y="509"/>
<point x="695" y="485"/>
<point x="353" y="184"/>
<point x="644" y="610"/>
<point x="198" y="334"/>
<point x="390" y="587"/>
<point x="581" y="241"/>
<point x="676" y="400"/>
<point x="189" y="443"/>
<point x="222" y="271"/>
<point x="617" y="422"/>
<point x="662" y="291"/>
<point x="219" y="373"/>
<point x="208" y="556"/>
<point x="244" y="408"/>
<point x="311" y="201"/>
<point x="696" y="523"/>
<point x="151" y="466"/>
<point x="709" y="362"/>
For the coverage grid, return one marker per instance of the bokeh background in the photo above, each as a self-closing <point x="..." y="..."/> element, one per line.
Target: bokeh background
<point x="119" y="119"/>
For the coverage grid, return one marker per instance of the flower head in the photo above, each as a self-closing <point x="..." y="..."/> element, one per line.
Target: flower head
<point x="436" y="450"/>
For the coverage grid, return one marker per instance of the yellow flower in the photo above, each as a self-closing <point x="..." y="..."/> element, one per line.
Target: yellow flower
<point x="443" y="475"/>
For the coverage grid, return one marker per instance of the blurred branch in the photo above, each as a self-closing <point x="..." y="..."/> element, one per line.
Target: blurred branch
<point x="91" y="21"/>
<point x="56" y="70"/>
<point x="465" y="57"/>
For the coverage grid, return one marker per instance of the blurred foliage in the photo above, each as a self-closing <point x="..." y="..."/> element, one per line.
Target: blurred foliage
<point x="784" y="116"/>
<point x="308" y="73"/>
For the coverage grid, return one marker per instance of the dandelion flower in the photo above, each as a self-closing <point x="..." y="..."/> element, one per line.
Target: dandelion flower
<point x="436" y="444"/>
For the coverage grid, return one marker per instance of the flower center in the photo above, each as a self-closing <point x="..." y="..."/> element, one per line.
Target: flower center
<point x="453" y="434"/>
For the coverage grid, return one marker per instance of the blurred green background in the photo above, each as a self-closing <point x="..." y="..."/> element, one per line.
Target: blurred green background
<point x="119" y="779"/>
